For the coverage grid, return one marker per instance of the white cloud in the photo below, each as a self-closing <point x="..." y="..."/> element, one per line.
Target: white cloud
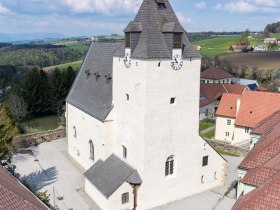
<point x="3" y="10"/>
<point x="183" y="19"/>
<point x="103" y="6"/>
<point x="200" y="5"/>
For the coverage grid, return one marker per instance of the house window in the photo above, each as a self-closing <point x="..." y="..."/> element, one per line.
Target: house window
<point x="205" y="161"/>
<point x="202" y="179"/>
<point x="228" y="122"/>
<point x="172" y="100"/>
<point x="247" y="130"/>
<point x="227" y="134"/>
<point x="215" y="175"/>
<point x="177" y="40"/>
<point x="127" y="40"/>
<point x="125" y="198"/>
<point x="91" y="150"/>
<point x="169" y="166"/>
<point x="124" y="152"/>
<point x="74" y="132"/>
<point x="207" y="112"/>
<point x="127" y="97"/>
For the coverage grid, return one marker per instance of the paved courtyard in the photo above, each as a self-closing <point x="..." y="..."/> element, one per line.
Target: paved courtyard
<point x="48" y="167"/>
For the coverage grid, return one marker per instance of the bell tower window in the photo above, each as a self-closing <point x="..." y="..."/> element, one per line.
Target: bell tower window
<point x="127" y="40"/>
<point x="177" y="40"/>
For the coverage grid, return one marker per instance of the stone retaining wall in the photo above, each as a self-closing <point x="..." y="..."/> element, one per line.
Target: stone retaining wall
<point x="24" y="141"/>
<point x="228" y="148"/>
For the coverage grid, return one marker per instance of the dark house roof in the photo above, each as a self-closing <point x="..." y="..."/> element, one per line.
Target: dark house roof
<point x="152" y="32"/>
<point x="215" y="74"/>
<point x="108" y="176"/>
<point x="92" y="89"/>
<point x="253" y="86"/>
<point x="14" y="196"/>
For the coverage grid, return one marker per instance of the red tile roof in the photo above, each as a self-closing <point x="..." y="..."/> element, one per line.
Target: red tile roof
<point x="215" y="74"/>
<point x="228" y="105"/>
<point x="256" y="106"/>
<point x="267" y="124"/>
<point x="266" y="197"/>
<point x="13" y="196"/>
<point x="261" y="89"/>
<point x="213" y="92"/>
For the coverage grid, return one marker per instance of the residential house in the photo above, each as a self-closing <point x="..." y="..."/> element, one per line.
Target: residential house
<point x="270" y="40"/>
<point x="136" y="135"/>
<point x="259" y="172"/>
<point x="238" y="48"/>
<point x="15" y="196"/>
<point x="237" y="115"/>
<point x="215" y="75"/>
<point x="251" y="84"/>
<point x="211" y="94"/>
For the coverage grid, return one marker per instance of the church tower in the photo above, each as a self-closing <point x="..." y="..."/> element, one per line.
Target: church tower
<point x="133" y="117"/>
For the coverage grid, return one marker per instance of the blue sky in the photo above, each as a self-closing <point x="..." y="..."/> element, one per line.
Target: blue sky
<point x="96" y="17"/>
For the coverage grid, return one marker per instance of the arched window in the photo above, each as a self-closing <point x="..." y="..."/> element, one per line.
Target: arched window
<point x="91" y="149"/>
<point x="74" y="131"/>
<point x="169" y="166"/>
<point x="124" y="151"/>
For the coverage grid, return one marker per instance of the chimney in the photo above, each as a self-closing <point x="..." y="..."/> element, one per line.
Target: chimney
<point x="238" y="103"/>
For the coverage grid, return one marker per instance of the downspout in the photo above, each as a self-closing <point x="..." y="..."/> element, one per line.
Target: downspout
<point x="135" y="191"/>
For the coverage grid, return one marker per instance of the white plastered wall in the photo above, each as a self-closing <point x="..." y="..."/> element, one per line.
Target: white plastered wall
<point x="222" y="127"/>
<point x="240" y="135"/>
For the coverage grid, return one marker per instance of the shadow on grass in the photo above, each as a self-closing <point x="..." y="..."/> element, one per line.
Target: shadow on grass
<point x="39" y="179"/>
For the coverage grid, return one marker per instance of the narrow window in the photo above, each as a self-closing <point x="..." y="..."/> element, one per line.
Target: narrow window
<point x="127" y="40"/>
<point x="74" y="132"/>
<point x="202" y="179"/>
<point x="206" y="112"/>
<point x="228" y="122"/>
<point x="177" y="40"/>
<point x="247" y="130"/>
<point x="127" y="97"/>
<point x="172" y="100"/>
<point x="91" y="150"/>
<point x="125" y="198"/>
<point x="124" y="152"/>
<point x="215" y="175"/>
<point x="205" y="161"/>
<point x="169" y="166"/>
<point x="227" y="134"/>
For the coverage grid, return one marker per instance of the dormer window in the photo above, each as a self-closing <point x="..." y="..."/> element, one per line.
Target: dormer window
<point x="177" y="40"/>
<point x="127" y="40"/>
<point x="161" y="4"/>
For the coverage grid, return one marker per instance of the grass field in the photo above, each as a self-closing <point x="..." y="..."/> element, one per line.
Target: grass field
<point x="41" y="124"/>
<point x="75" y="65"/>
<point x="204" y="124"/>
<point x="81" y="47"/>
<point x="220" y="45"/>
<point x="221" y="152"/>
<point x="209" y="135"/>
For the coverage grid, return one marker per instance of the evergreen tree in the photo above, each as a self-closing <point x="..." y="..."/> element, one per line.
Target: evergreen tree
<point x="69" y="76"/>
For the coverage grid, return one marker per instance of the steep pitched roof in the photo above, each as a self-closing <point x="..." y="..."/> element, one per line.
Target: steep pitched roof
<point x="212" y="92"/>
<point x="156" y="26"/>
<point x="267" y="124"/>
<point x="256" y="106"/>
<point x="108" y="176"/>
<point x="266" y="197"/>
<point x="228" y="105"/>
<point x="92" y="89"/>
<point x="215" y="74"/>
<point x="14" y="196"/>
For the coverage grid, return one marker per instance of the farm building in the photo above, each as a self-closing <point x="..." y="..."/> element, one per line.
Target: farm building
<point x="270" y="40"/>
<point x="215" y="75"/>
<point x="238" y="48"/>
<point x="260" y="48"/>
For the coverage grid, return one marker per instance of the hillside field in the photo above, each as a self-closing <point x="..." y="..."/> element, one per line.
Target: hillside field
<point x="75" y="65"/>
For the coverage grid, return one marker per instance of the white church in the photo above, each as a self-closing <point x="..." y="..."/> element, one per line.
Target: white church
<point x="133" y="117"/>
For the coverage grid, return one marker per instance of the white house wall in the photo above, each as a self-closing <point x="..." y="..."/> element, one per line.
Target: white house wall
<point x="240" y="135"/>
<point x="152" y="129"/>
<point x="211" y="110"/>
<point x="87" y="128"/>
<point x="222" y="127"/>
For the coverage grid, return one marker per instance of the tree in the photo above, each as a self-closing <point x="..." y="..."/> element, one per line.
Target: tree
<point x="17" y="106"/>
<point x="69" y="76"/>
<point x="244" y="39"/>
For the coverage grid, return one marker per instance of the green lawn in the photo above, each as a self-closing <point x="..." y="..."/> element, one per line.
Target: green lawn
<point x="204" y="124"/>
<point x="275" y="35"/>
<point x="41" y="124"/>
<point x="220" y="45"/>
<point x="76" y="65"/>
<point x="221" y="152"/>
<point x="81" y="47"/>
<point x="209" y="135"/>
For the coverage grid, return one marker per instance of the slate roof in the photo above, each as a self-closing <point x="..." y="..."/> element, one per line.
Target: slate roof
<point x="13" y="196"/>
<point x="215" y="74"/>
<point x="212" y="92"/>
<point x="108" y="176"/>
<point x="92" y="89"/>
<point x="154" y="40"/>
<point x="228" y="105"/>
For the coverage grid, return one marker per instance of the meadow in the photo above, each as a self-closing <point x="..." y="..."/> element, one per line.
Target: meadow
<point x="75" y="65"/>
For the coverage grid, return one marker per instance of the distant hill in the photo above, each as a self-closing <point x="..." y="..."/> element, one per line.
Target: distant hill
<point x="25" y="37"/>
<point x="273" y="28"/>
